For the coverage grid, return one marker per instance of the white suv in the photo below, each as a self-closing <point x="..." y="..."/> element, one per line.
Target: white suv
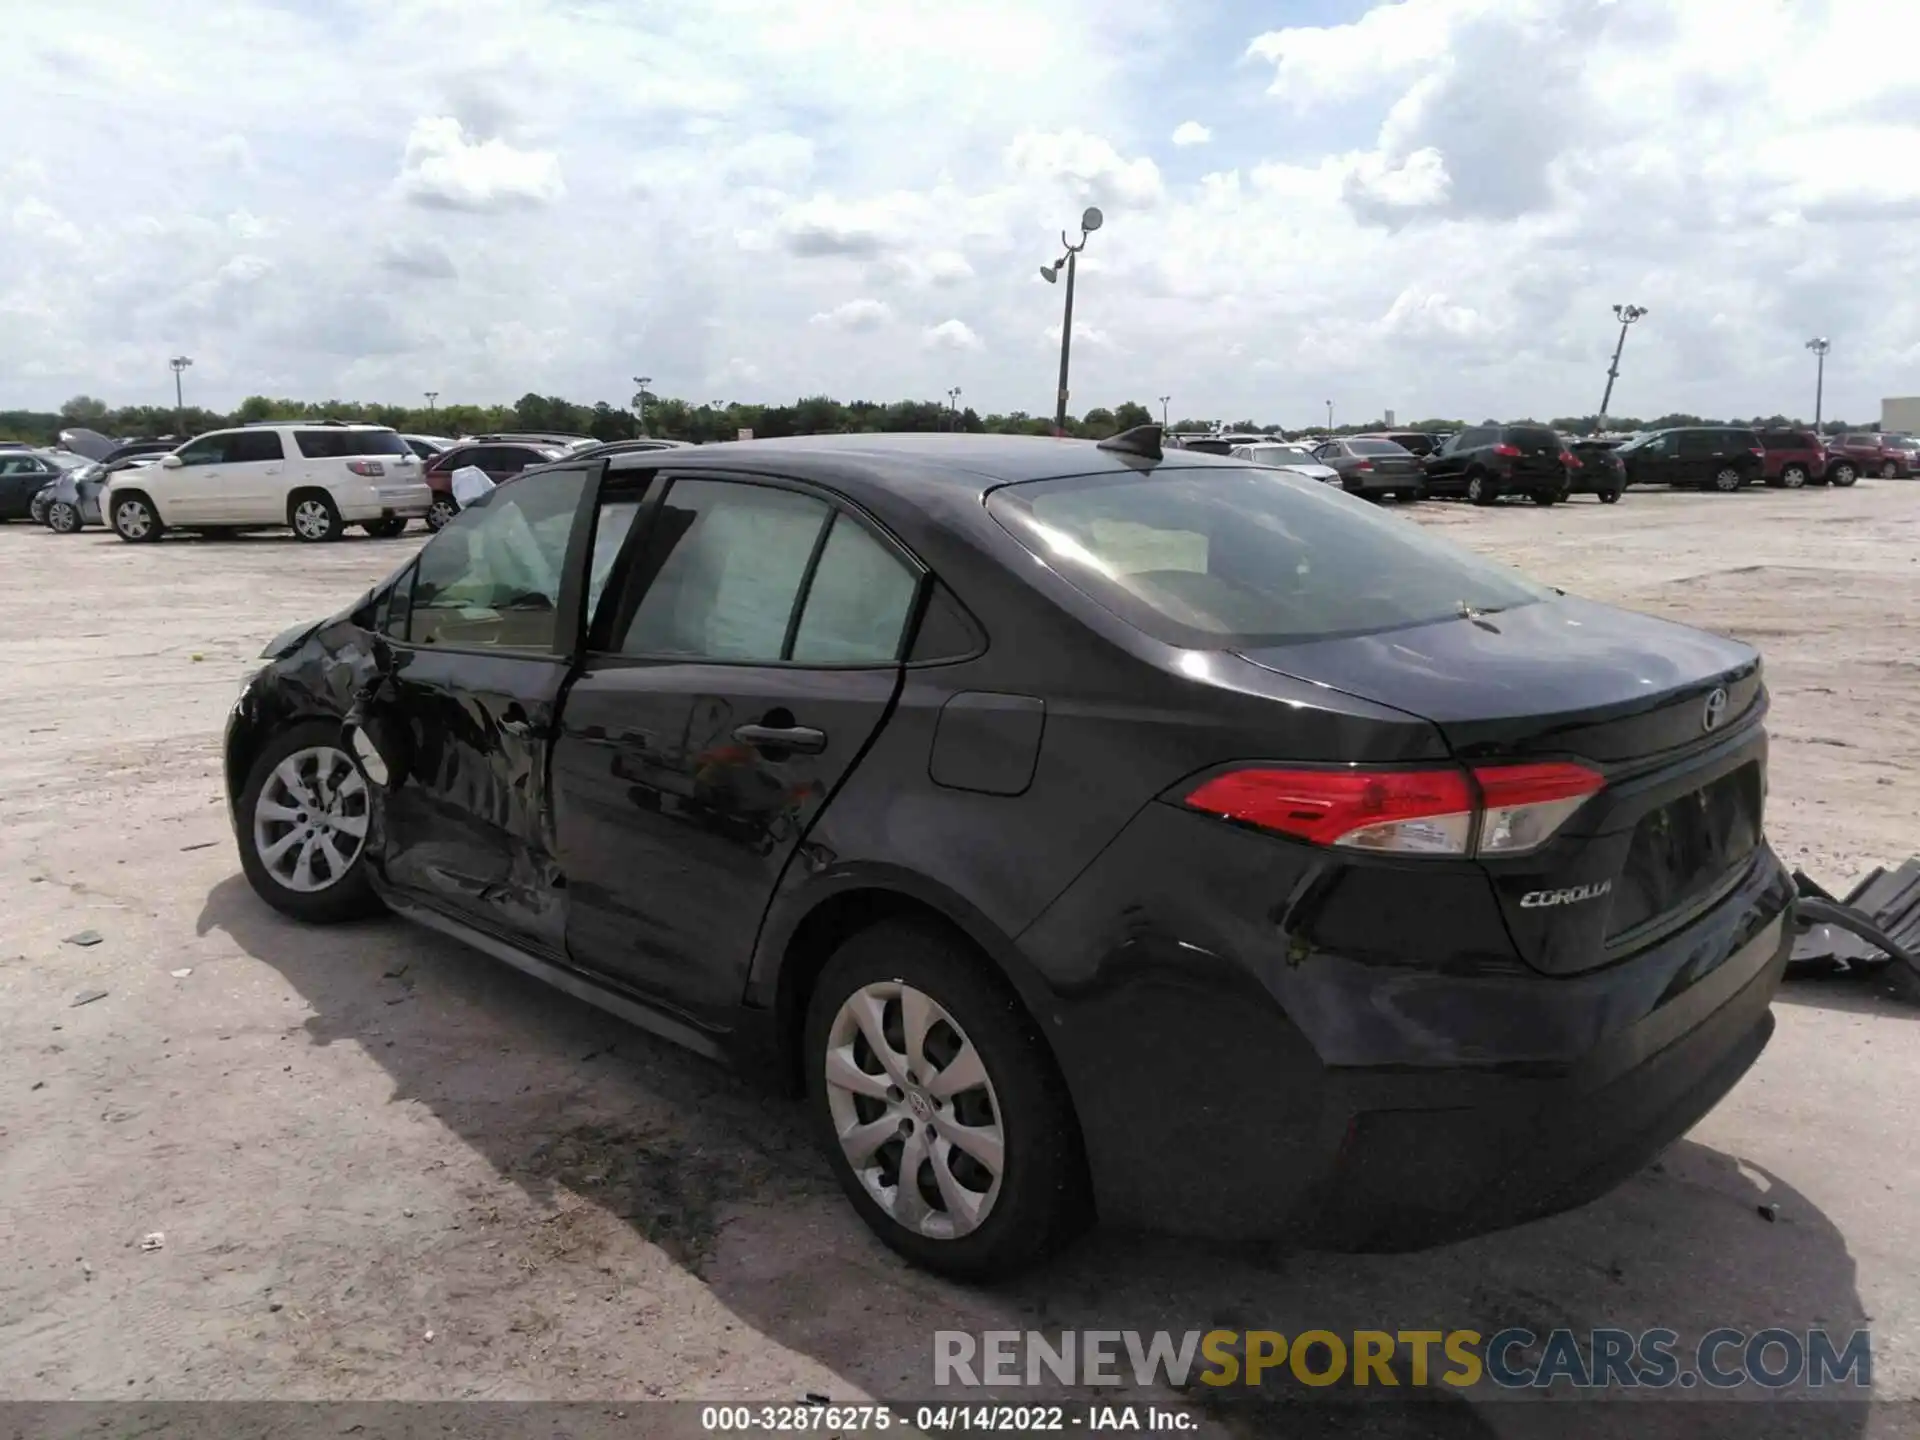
<point x="317" y="477"/>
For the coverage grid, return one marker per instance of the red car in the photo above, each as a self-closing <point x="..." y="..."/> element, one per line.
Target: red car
<point x="1865" y="454"/>
<point x="1793" y="458"/>
<point x="501" y="459"/>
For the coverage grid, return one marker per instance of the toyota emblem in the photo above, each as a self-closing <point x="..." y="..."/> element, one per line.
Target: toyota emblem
<point x="1716" y="710"/>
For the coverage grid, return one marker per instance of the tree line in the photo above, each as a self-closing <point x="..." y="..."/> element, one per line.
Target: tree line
<point x="675" y="419"/>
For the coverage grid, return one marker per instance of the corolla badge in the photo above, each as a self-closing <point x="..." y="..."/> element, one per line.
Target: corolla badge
<point x="1572" y="895"/>
<point x="1716" y="710"/>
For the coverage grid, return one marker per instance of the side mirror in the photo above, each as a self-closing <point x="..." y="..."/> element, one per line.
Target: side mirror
<point x="171" y="462"/>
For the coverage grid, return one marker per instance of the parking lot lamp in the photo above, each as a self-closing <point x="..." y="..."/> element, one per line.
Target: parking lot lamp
<point x="1090" y="221"/>
<point x="640" y="383"/>
<point x="1819" y="346"/>
<point x="179" y="363"/>
<point x="432" y="395"/>
<point x="1626" y="315"/>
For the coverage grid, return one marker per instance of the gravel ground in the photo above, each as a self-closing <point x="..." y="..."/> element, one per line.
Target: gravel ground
<point x="386" y="1167"/>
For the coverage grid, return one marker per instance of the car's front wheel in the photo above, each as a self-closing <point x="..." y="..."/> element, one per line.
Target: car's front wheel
<point x="1794" y="476"/>
<point x="1546" y="497"/>
<point x="135" y="520"/>
<point x="441" y="513"/>
<point x="939" y="1105"/>
<point x="62" y="518"/>
<point x="37" y="507"/>
<point x="303" y="819"/>
<point x="315" y="518"/>
<point x="386" y="527"/>
<point x="1480" y="490"/>
<point x="1727" y="480"/>
<point x="1609" y="497"/>
<point x="1889" y="471"/>
<point x="1842" y="475"/>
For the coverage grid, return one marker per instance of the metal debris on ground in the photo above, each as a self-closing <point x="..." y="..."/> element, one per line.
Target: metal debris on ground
<point x="1874" y="931"/>
<point x="85" y="937"/>
<point x="203" y="845"/>
<point x="154" y="1241"/>
<point x="87" y="997"/>
<point x="182" y="972"/>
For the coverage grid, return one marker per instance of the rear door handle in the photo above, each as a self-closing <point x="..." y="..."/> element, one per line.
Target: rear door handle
<point x="800" y="738"/>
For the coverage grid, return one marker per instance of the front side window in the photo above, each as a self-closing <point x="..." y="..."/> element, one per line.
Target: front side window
<point x="491" y="579"/>
<point x="207" y="450"/>
<point x="722" y="572"/>
<point x="1243" y="558"/>
<point x="1696" y="443"/>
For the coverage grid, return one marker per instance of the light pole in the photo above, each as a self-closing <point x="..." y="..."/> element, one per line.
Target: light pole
<point x="1626" y="315"/>
<point x="1090" y="221"/>
<point x="1163" y="410"/>
<point x="1819" y="345"/>
<point x="179" y="363"/>
<point x="432" y="395"/>
<point x="640" y="398"/>
<point x="1329" y="417"/>
<point x="953" y="408"/>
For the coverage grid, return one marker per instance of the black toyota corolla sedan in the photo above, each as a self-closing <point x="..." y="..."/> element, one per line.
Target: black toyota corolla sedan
<point x="1082" y="829"/>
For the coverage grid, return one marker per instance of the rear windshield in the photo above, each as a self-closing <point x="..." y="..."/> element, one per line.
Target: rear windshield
<point x="1237" y="558"/>
<point x="343" y="444"/>
<point x="1533" y="437"/>
<point x="1281" y="455"/>
<point x="1786" y="440"/>
<point x="1376" y="447"/>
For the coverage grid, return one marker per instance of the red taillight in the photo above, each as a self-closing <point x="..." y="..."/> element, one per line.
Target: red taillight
<point x="1516" y="808"/>
<point x="366" y="467"/>
<point x="1512" y="452"/>
<point x="1567" y="459"/>
<point x="1757" y="452"/>
<point x="1364" y="465"/>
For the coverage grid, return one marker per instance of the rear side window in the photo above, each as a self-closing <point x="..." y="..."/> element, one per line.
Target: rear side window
<point x="247" y="447"/>
<point x="858" y="603"/>
<point x="1229" y="559"/>
<point x="1698" y="442"/>
<point x="345" y="444"/>
<point x="1532" y="437"/>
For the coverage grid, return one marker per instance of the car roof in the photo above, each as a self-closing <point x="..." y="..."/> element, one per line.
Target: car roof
<point x="953" y="464"/>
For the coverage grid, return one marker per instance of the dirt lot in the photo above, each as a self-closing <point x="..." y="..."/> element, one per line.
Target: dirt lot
<point x="386" y="1167"/>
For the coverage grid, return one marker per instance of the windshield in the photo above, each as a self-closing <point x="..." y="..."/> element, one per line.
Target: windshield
<point x="1239" y="558"/>
<point x="1282" y="455"/>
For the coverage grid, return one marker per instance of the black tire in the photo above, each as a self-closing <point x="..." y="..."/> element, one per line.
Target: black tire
<point x="1480" y="490"/>
<point x="314" y="517"/>
<point x="1726" y="480"/>
<point x="1842" y="475"/>
<point x="1546" y="497"/>
<point x="444" y="508"/>
<point x="1044" y="1199"/>
<point x="1794" y="477"/>
<point x="135" y="519"/>
<point x="1609" y="497"/>
<point x="386" y="527"/>
<point x="39" y="507"/>
<point x="1889" y="471"/>
<point x="64" y="519"/>
<point x="351" y="896"/>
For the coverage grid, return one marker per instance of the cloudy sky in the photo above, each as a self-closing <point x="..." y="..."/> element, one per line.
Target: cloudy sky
<point x="1425" y="205"/>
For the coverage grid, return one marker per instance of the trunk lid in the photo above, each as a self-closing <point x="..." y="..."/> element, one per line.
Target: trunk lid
<point x="1671" y="716"/>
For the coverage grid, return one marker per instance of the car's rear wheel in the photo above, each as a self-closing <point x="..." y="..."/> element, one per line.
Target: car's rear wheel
<point x="1889" y="471"/>
<point x="1546" y="497"/>
<point x="386" y="527"/>
<point x="135" y="520"/>
<point x="1727" y="480"/>
<point x="37" y="508"/>
<point x="1794" y="476"/>
<point x="62" y="518"/>
<point x="314" y="517"/>
<point x="303" y="820"/>
<point x="939" y="1105"/>
<point x="1842" y="475"/>
<point x="443" y="509"/>
<point x="1609" y="497"/>
<point x="1480" y="490"/>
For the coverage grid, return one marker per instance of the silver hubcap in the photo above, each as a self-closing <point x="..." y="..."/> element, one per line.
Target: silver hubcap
<point x="133" y="519"/>
<point x="1795" y="478"/>
<point x="62" y="517"/>
<point x="1728" y="479"/>
<point x="310" y="821"/>
<point x="1474" y="489"/>
<point x="914" y="1110"/>
<point x="311" y="519"/>
<point x="440" y="514"/>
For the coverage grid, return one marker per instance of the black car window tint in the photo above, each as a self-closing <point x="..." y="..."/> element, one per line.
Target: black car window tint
<point x="723" y="571"/>
<point x="1698" y="442"/>
<point x="1229" y="558"/>
<point x="251" y="447"/>
<point x="858" y="602"/>
<point x="610" y="530"/>
<point x="491" y="579"/>
<point x="946" y="631"/>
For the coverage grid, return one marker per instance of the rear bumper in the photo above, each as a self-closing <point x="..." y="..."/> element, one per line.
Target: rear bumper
<point x="1374" y="482"/>
<point x="382" y="501"/>
<point x="1229" y="1085"/>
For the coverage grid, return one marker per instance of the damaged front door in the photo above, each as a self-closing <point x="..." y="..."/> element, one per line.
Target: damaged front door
<point x="474" y="689"/>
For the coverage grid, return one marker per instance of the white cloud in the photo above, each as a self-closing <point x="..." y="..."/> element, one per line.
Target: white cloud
<point x="951" y="335"/>
<point x="855" y="315"/>
<point x="1191" y="132"/>
<point x="1084" y="336"/>
<point x="1086" y="166"/>
<point x="446" y="169"/>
